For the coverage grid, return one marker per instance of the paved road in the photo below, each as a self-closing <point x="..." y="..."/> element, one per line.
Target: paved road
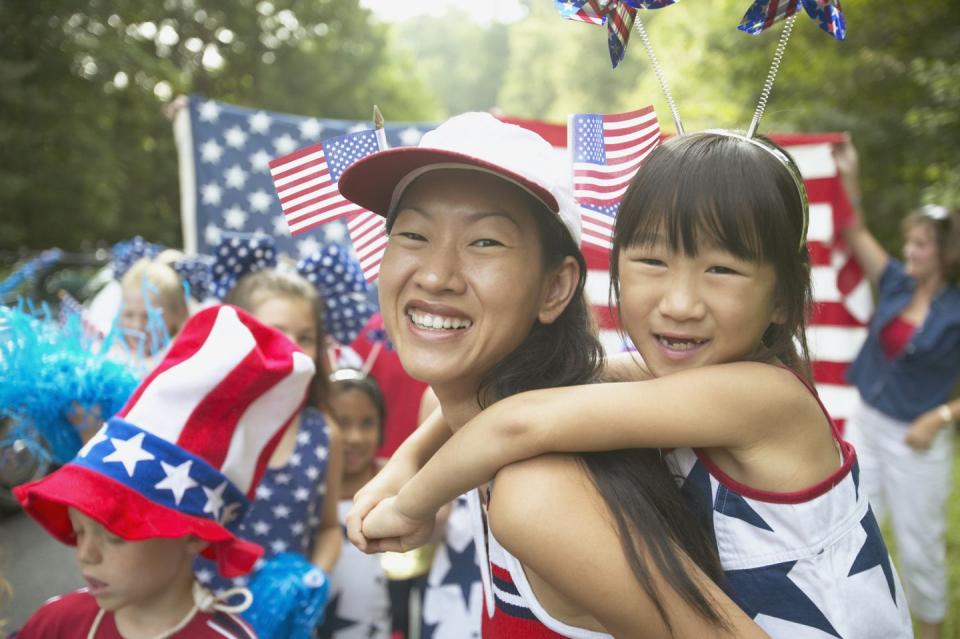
<point x="36" y="565"/>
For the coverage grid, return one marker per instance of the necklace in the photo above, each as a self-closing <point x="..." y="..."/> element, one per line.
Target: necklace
<point x="203" y="600"/>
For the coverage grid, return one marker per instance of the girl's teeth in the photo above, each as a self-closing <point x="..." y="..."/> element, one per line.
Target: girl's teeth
<point x="681" y="344"/>
<point x="436" y="322"/>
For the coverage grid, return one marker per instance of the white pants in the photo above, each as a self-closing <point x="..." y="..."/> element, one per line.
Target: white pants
<point x="913" y="488"/>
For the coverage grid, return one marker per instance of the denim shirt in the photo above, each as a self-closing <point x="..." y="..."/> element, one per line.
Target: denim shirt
<point x="922" y="376"/>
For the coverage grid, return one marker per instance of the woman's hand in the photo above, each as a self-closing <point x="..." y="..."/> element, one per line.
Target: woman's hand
<point x="390" y="530"/>
<point x="848" y="169"/>
<point x="923" y="430"/>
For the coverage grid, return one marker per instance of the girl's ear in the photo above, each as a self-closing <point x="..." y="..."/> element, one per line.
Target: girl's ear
<point x="559" y="290"/>
<point x="779" y="314"/>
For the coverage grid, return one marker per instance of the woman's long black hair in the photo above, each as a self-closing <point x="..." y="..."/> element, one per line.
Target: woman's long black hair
<point x="652" y="518"/>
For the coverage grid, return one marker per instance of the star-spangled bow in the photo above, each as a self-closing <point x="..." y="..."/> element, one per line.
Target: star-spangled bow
<point x="127" y="252"/>
<point x="333" y="271"/>
<point x="764" y="13"/>
<point x="618" y="15"/>
<point x="195" y="272"/>
<point x="343" y="289"/>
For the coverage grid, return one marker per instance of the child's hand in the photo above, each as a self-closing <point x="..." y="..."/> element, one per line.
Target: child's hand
<point x="391" y="531"/>
<point x="363" y="502"/>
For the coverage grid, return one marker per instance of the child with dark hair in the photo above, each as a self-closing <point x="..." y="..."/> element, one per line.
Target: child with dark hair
<point x="359" y="595"/>
<point x="712" y="277"/>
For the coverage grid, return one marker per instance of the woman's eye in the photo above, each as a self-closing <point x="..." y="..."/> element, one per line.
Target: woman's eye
<point x="486" y="243"/>
<point x="410" y="235"/>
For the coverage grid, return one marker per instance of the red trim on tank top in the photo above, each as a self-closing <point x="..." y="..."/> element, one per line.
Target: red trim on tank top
<point x="847" y="452"/>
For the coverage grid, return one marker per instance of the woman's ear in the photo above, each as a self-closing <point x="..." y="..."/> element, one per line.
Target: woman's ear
<point x="559" y="290"/>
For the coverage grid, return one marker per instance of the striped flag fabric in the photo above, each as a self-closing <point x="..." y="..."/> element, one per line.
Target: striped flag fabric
<point x="306" y="180"/>
<point x="368" y="233"/>
<point x="607" y="150"/>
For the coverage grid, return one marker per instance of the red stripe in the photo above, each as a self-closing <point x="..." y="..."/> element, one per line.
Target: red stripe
<point x="296" y="155"/>
<point x="319" y="163"/>
<point x="336" y="202"/>
<point x="830" y="372"/>
<point x="832" y="314"/>
<point x="630" y="115"/>
<point x="183" y="348"/>
<point x="606" y="318"/>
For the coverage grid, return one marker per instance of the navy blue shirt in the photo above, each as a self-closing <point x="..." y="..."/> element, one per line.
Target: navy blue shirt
<point x="922" y="376"/>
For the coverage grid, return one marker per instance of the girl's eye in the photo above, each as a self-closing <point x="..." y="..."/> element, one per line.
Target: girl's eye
<point x="723" y="270"/>
<point x="650" y="261"/>
<point x="486" y="243"/>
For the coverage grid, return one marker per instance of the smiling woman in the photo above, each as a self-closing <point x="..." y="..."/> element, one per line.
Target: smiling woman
<point x="482" y="294"/>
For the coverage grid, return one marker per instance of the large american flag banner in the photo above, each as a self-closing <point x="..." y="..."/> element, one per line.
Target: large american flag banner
<point x="225" y="185"/>
<point x="607" y="150"/>
<point x="224" y="154"/>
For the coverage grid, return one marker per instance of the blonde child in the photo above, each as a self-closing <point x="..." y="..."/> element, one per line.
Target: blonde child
<point x="711" y="273"/>
<point x="153" y="307"/>
<point x="295" y="509"/>
<point x="162" y="482"/>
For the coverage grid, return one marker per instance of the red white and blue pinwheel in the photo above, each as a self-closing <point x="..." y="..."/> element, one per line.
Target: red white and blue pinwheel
<point x="764" y="13"/>
<point x="618" y="15"/>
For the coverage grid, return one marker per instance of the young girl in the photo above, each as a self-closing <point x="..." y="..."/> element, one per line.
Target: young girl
<point x="359" y="598"/>
<point x="295" y="509"/>
<point x="711" y="273"/>
<point x="481" y="290"/>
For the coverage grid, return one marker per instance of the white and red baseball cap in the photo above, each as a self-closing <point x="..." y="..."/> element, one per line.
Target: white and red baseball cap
<point x="475" y="141"/>
<point x="185" y="454"/>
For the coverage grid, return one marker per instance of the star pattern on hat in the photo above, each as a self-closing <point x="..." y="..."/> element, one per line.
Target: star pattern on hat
<point x="178" y="480"/>
<point x="98" y="438"/>
<point x="129" y="452"/>
<point x="214" y="500"/>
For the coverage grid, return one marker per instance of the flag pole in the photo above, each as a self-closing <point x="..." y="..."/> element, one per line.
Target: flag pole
<point x="378" y="128"/>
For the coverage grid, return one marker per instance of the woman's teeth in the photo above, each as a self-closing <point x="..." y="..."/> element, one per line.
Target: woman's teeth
<point x="426" y="320"/>
<point x="680" y="343"/>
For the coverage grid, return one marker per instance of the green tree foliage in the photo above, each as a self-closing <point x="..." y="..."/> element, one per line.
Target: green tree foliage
<point x="462" y="61"/>
<point x="89" y="156"/>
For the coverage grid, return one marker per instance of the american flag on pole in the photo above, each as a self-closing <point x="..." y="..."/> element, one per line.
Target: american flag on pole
<point x="306" y="180"/>
<point x="607" y="151"/>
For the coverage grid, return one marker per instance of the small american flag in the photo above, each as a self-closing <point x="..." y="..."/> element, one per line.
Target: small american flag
<point x="306" y="180"/>
<point x="368" y="233"/>
<point x="607" y="151"/>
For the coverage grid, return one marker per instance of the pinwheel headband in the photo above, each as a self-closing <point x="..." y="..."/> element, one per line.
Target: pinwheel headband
<point x="620" y="15"/>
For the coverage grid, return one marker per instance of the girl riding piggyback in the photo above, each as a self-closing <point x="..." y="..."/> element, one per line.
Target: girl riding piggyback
<point x="711" y="274"/>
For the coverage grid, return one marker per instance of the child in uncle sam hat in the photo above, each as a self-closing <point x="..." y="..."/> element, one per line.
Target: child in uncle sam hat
<point x="164" y="480"/>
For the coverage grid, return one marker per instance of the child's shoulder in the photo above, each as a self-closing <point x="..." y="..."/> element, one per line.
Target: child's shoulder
<point x="68" y="615"/>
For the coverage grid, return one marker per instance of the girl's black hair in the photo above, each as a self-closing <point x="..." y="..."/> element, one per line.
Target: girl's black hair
<point x="652" y="519"/>
<point x="706" y="189"/>
<point x="347" y="379"/>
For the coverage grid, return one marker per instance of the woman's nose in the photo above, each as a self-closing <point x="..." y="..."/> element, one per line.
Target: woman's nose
<point x="440" y="270"/>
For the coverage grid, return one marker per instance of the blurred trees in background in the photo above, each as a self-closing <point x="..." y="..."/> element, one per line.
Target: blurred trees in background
<point x="88" y="156"/>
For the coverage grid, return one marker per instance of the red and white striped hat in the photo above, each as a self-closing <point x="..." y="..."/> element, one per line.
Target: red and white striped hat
<point x="185" y="454"/>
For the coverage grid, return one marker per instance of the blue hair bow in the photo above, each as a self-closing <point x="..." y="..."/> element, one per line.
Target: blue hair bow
<point x="127" y="252"/>
<point x="345" y="292"/>
<point x="333" y="271"/>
